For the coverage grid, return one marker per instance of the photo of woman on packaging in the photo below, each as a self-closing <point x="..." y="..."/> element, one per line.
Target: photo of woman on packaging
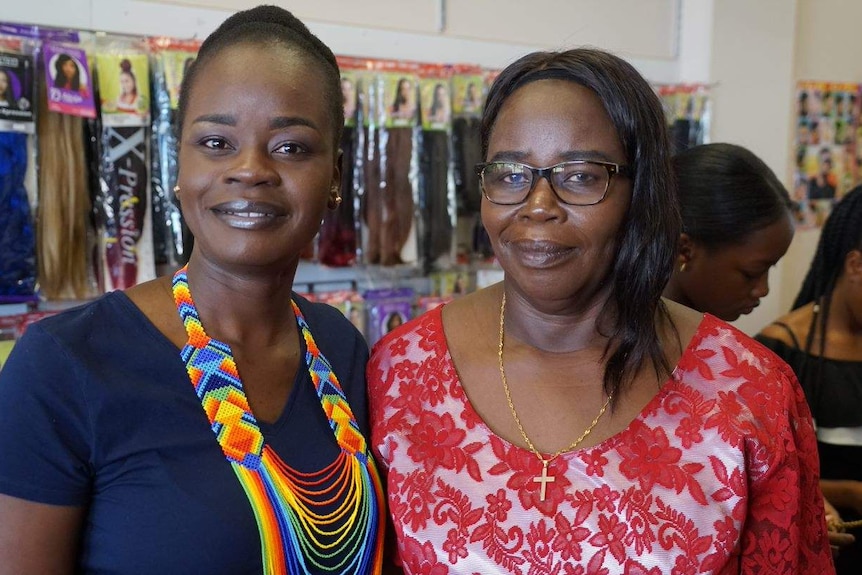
<point x="7" y="98"/>
<point x="435" y="98"/>
<point x="124" y="88"/>
<point x="404" y="101"/>
<point x="67" y="74"/>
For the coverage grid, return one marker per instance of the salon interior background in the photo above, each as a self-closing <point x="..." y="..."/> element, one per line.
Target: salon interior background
<point x="752" y="54"/>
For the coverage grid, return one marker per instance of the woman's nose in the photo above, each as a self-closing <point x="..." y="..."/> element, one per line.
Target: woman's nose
<point x="253" y="166"/>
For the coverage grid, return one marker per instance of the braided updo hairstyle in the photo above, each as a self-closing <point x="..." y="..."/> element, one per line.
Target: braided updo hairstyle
<point x="841" y="234"/>
<point x="268" y="25"/>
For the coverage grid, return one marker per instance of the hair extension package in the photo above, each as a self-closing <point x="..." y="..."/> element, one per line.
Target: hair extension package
<point x="387" y="308"/>
<point x="17" y="172"/>
<point x="65" y="236"/>
<point x="170" y="60"/>
<point x="337" y="242"/>
<point x="390" y="165"/>
<point x="123" y="202"/>
<point x="436" y="187"/>
<point x="468" y="95"/>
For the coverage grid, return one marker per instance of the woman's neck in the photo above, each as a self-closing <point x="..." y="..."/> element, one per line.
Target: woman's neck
<point x="554" y="328"/>
<point x="243" y="308"/>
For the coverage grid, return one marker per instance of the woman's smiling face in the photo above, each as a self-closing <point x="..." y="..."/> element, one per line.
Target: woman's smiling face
<point x="554" y="250"/>
<point x="258" y="162"/>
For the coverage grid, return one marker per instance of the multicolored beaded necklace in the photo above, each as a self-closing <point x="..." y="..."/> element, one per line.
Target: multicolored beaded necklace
<point x="302" y="525"/>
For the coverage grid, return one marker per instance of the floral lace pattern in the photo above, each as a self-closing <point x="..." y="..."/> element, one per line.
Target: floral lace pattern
<point x="718" y="473"/>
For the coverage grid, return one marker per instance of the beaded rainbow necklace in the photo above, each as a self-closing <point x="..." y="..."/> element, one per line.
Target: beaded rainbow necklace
<point x="301" y="522"/>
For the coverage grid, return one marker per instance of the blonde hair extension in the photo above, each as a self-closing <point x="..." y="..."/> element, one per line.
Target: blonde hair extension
<point x="63" y="212"/>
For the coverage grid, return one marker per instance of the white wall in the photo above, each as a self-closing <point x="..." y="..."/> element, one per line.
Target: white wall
<point x="156" y="17"/>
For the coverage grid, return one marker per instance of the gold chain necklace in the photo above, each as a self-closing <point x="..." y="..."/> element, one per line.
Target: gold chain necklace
<point x="544" y="478"/>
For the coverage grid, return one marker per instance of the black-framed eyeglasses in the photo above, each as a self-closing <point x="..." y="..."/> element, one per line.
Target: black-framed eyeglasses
<point x="577" y="183"/>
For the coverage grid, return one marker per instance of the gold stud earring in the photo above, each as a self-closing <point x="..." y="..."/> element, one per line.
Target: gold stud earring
<point x="682" y="266"/>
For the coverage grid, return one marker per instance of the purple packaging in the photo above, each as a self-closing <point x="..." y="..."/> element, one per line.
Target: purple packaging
<point x="387" y="309"/>
<point x="69" y="82"/>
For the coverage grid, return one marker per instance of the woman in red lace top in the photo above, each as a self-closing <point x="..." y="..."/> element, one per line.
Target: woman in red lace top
<point x="568" y="419"/>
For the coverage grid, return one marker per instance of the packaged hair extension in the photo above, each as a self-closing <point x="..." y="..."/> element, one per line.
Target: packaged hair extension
<point x="467" y="102"/>
<point x="124" y="222"/>
<point x="68" y="82"/>
<point x="391" y="165"/>
<point x="687" y="112"/>
<point x="468" y="96"/>
<point x="436" y="192"/>
<point x="386" y="310"/>
<point x="348" y="302"/>
<point x="170" y="59"/>
<point x="17" y="238"/>
<point x="64" y="232"/>
<point x="337" y="242"/>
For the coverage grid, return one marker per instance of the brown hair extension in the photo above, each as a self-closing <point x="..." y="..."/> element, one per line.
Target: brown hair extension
<point x="63" y="212"/>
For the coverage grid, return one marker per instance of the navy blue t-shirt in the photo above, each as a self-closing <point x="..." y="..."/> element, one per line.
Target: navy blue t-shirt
<point x="97" y="410"/>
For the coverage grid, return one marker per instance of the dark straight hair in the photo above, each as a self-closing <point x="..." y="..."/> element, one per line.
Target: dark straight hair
<point x="726" y="193"/>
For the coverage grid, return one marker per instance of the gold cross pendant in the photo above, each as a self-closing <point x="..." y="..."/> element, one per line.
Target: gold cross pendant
<point x="544" y="479"/>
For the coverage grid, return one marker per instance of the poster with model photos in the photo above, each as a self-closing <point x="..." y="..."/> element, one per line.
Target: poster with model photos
<point x="827" y="148"/>
<point x="687" y="109"/>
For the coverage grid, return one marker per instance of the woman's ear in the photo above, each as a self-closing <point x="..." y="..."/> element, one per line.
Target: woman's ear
<point x="853" y="266"/>
<point x="685" y="251"/>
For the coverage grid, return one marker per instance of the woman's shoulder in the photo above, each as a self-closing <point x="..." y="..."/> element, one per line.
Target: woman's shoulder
<point x="721" y="352"/>
<point x="90" y="318"/>
<point x="790" y="329"/>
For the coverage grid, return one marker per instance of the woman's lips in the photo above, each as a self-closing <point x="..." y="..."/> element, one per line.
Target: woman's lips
<point x="248" y="215"/>
<point x="540" y="253"/>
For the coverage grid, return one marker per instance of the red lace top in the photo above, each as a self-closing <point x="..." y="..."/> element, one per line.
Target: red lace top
<point x="718" y="473"/>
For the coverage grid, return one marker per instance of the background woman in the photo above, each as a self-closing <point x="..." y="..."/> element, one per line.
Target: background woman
<point x="736" y="224"/>
<point x="821" y="339"/>
<point x="214" y="421"/>
<point x="567" y="419"/>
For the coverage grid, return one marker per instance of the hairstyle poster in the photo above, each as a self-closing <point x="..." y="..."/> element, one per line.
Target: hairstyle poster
<point x="124" y="88"/>
<point x="467" y="94"/>
<point x="435" y="100"/>
<point x="16" y="92"/>
<point x="67" y="76"/>
<point x="828" y="140"/>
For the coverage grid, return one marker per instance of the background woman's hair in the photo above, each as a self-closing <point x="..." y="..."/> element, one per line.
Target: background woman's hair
<point x="725" y="193"/>
<point x="60" y="77"/>
<point x="841" y="234"/>
<point x="266" y="25"/>
<point x="647" y="238"/>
